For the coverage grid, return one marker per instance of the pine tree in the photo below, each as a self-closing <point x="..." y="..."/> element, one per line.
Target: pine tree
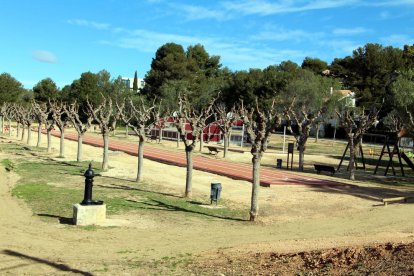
<point x="135" y="85"/>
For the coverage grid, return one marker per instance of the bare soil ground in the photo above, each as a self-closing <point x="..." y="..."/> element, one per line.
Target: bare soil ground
<point x="294" y="222"/>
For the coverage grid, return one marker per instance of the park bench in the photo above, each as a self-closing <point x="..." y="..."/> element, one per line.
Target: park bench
<point x="325" y="168"/>
<point x="235" y="150"/>
<point x="152" y="138"/>
<point x="213" y="150"/>
<point x="394" y="199"/>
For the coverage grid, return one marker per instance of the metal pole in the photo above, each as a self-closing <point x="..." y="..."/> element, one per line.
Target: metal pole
<point x="242" y="137"/>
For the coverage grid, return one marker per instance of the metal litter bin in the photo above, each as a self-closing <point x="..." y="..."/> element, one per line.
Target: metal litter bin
<point x="279" y="163"/>
<point x="215" y="192"/>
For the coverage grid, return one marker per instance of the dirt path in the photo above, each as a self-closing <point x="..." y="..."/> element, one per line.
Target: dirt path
<point x="293" y="218"/>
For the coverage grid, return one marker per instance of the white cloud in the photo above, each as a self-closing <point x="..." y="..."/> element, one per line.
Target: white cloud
<point x="44" y="56"/>
<point x="235" y="53"/>
<point x="390" y="3"/>
<point x="232" y="52"/>
<point x="340" y="46"/>
<point x="281" y="34"/>
<point x="263" y="7"/>
<point x="398" y="40"/>
<point x="192" y="12"/>
<point x="349" y="31"/>
<point x="88" y="23"/>
<point x="227" y="9"/>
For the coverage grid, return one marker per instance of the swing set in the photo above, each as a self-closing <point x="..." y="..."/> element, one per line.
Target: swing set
<point x="386" y="150"/>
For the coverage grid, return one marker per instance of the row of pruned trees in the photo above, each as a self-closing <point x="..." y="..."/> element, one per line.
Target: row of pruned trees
<point x="261" y="119"/>
<point x="59" y="114"/>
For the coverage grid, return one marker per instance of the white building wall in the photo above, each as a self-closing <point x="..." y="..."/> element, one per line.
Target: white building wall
<point x="131" y="82"/>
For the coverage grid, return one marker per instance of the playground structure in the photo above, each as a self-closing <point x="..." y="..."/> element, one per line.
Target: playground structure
<point x="386" y="150"/>
<point x="395" y="151"/>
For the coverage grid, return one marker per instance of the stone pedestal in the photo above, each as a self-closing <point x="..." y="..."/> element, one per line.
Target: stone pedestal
<point x="89" y="214"/>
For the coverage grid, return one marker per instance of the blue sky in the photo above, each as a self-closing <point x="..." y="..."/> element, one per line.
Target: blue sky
<point x="61" y="39"/>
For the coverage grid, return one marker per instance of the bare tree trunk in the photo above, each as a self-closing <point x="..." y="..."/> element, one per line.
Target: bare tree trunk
<point x="317" y="133"/>
<point x="351" y="159"/>
<point x="301" y="157"/>
<point x="10" y="128"/>
<point x="254" y="209"/>
<point x="49" y="141"/>
<point x="178" y="139"/>
<point x="126" y="131"/>
<point x="140" y="158"/>
<point x="160" y="137"/>
<point x="189" y="176"/>
<point x="105" y="152"/>
<point x="62" y="143"/>
<point x="2" y="124"/>
<point x="18" y="131"/>
<point x="201" y="141"/>
<point x="39" y="135"/>
<point x="29" y="135"/>
<point x="23" y="132"/>
<point x="80" y="143"/>
<point x="226" y="144"/>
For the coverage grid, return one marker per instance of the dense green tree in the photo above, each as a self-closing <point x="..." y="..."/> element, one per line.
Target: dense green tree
<point x="45" y="89"/>
<point x="289" y="67"/>
<point x="174" y="70"/>
<point x="403" y="95"/>
<point x="90" y="85"/>
<point x="10" y="89"/>
<point x="315" y="65"/>
<point x="370" y="72"/>
<point x="200" y="61"/>
<point x="408" y="54"/>
<point x="170" y="63"/>
<point x="256" y="83"/>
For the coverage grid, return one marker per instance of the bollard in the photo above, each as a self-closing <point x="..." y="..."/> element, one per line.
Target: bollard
<point x="87" y="197"/>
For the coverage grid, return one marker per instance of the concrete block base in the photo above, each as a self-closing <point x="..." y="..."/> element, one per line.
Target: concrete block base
<point x="89" y="214"/>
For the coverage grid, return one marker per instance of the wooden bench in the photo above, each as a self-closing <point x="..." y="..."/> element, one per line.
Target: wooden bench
<point x="236" y="150"/>
<point x="325" y="168"/>
<point x="152" y="138"/>
<point x="213" y="150"/>
<point x="394" y="199"/>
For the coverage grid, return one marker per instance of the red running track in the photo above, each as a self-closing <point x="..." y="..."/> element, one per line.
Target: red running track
<point x="239" y="171"/>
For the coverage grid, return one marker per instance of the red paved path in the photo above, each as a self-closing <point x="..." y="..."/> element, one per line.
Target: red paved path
<point x="268" y="176"/>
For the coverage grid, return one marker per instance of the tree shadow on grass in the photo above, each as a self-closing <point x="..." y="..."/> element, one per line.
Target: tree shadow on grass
<point x="162" y="206"/>
<point x="58" y="266"/>
<point x="116" y="178"/>
<point x="62" y="220"/>
<point x="127" y="188"/>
